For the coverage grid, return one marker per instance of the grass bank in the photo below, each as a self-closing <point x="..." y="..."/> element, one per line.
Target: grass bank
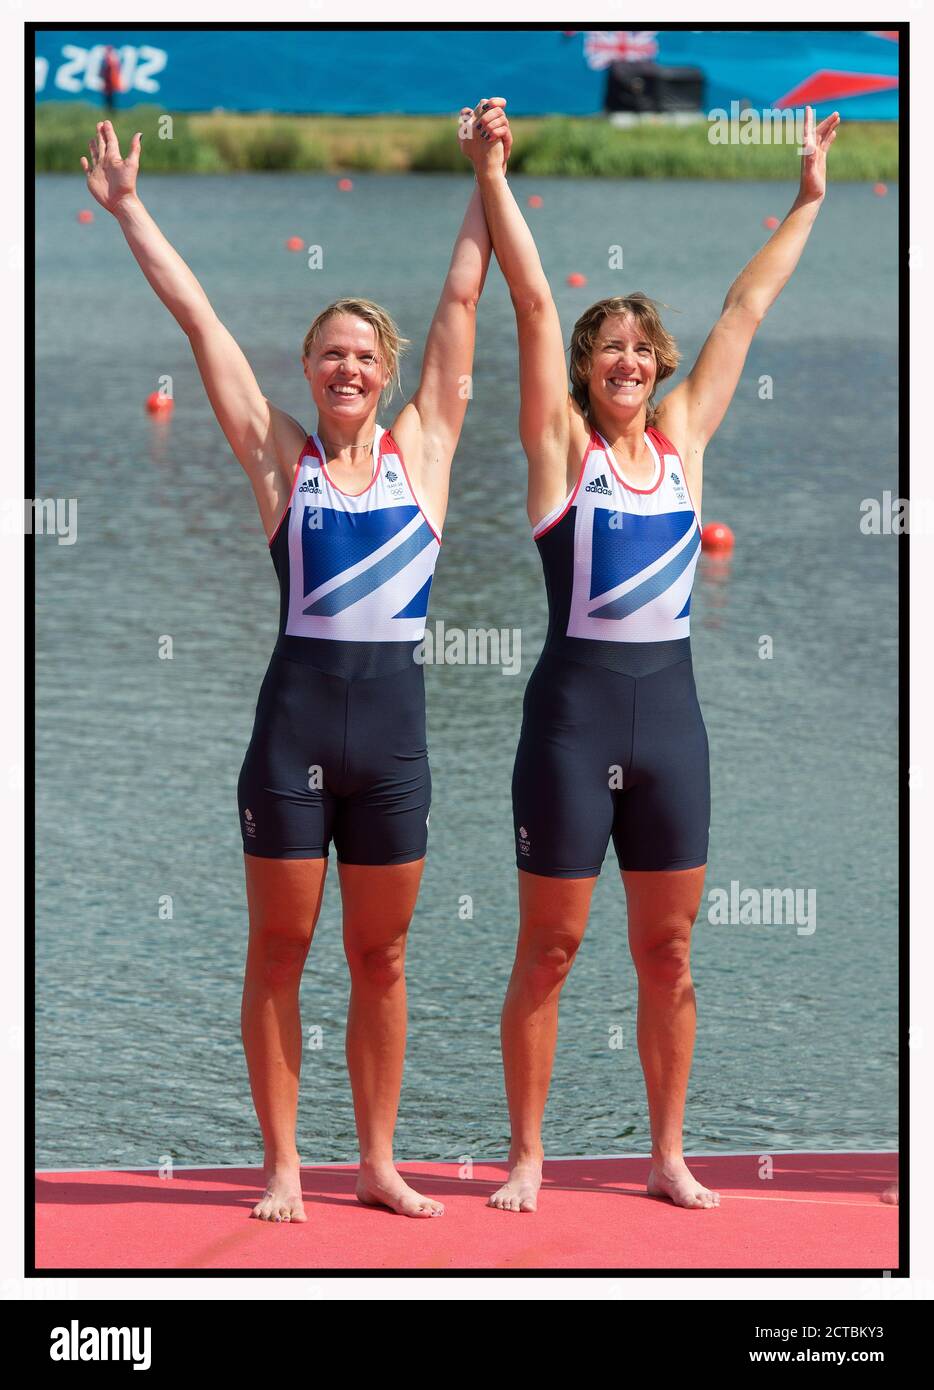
<point x="222" y="142"/>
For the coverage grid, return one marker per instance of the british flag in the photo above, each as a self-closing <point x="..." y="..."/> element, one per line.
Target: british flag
<point x="602" y="47"/>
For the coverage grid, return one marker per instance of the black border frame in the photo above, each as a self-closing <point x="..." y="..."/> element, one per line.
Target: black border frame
<point x="31" y="1271"/>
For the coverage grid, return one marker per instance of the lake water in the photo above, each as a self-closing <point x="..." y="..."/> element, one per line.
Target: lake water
<point x="138" y="1048"/>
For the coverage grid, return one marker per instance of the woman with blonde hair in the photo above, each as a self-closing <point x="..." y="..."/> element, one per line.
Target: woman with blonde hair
<point x="353" y="514"/>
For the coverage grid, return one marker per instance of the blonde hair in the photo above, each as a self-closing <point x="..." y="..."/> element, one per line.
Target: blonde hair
<point x="390" y="342"/>
<point x="645" y="312"/>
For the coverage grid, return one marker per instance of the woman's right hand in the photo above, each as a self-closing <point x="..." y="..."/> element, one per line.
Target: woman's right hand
<point x="111" y="178"/>
<point x="485" y="136"/>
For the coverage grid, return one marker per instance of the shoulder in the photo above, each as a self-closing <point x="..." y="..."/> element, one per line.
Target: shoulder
<point x="290" y="437"/>
<point x="662" y="442"/>
<point x="669" y="436"/>
<point x="670" y="423"/>
<point x="578" y="423"/>
<point x="405" y="433"/>
<point x="388" y="443"/>
<point x="582" y="438"/>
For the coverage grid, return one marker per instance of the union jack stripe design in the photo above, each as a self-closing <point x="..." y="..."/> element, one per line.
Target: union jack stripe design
<point x="360" y="566"/>
<point x="629" y="553"/>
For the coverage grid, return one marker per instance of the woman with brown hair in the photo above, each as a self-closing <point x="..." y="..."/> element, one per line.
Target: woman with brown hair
<point x="613" y="742"/>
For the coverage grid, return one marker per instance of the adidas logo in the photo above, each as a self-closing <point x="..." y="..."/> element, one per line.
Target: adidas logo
<point x="310" y="485"/>
<point x="599" y="485"/>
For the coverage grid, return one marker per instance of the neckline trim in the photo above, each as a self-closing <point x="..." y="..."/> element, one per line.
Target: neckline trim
<point x="618" y="472"/>
<point x="377" y="463"/>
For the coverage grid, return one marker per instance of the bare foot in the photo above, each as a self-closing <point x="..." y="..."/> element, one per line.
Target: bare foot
<point x="673" y="1179"/>
<point x="382" y="1186"/>
<point x="282" y="1200"/>
<point x="520" y="1190"/>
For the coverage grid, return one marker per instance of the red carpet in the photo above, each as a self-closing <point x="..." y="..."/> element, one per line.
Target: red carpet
<point x="818" y="1211"/>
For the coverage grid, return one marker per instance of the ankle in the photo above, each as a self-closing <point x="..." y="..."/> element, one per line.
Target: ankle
<point x="279" y="1160"/>
<point x="667" y="1158"/>
<point x="375" y="1161"/>
<point x="526" y="1154"/>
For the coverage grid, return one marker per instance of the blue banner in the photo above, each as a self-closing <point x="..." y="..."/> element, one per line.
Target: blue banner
<point x="361" y="71"/>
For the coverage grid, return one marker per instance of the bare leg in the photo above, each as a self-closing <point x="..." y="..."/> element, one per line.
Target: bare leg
<point x="662" y="908"/>
<point x="552" y="918"/>
<point x="284" y="897"/>
<point x="378" y="905"/>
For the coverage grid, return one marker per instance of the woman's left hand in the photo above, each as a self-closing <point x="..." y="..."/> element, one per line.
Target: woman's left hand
<point x="484" y="127"/>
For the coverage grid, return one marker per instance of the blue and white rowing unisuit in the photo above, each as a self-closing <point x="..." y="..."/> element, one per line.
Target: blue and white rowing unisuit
<point x="357" y="568"/>
<point x="620" y="560"/>
<point x="339" y="747"/>
<point x="613" y="741"/>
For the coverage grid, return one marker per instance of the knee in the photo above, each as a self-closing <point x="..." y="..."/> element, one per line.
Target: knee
<point x="548" y="960"/>
<point x="665" y="963"/>
<point x="280" y="950"/>
<point x="378" y="967"/>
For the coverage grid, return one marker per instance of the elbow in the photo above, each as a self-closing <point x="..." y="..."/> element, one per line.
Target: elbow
<point x="750" y="309"/>
<point x="195" y="325"/>
<point x="465" y="293"/>
<point x="529" y="302"/>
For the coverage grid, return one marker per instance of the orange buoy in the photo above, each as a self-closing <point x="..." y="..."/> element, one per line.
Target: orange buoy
<point x="770" y="222"/>
<point x="716" y="535"/>
<point x="159" y="403"/>
<point x="345" y="185"/>
<point x="535" y="200"/>
<point x="295" y="243"/>
<point x="576" y="280"/>
<point x="85" y="215"/>
<point x="880" y="190"/>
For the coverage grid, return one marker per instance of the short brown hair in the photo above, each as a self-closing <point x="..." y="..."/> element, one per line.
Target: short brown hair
<point x="645" y="312"/>
<point x="390" y="341"/>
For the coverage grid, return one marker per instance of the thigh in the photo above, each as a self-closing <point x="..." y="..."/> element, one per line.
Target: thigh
<point x="555" y="910"/>
<point x="284" y="812"/>
<point x="661" y="906"/>
<point x="378" y="902"/>
<point x="286" y="804"/>
<point x="663" y="812"/>
<point x="384" y="822"/>
<point x="284" y="896"/>
<point x="381" y="817"/>
<point x="562" y="798"/>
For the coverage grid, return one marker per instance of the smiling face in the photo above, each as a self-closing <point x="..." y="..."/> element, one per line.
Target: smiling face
<point x="620" y="352"/>
<point x="623" y="366"/>
<point x="344" y="369"/>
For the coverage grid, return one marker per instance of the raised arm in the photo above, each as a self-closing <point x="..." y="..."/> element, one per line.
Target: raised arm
<point x="545" y="410"/>
<point x="429" y="425"/>
<point x="265" y="440"/>
<point x="691" y="413"/>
